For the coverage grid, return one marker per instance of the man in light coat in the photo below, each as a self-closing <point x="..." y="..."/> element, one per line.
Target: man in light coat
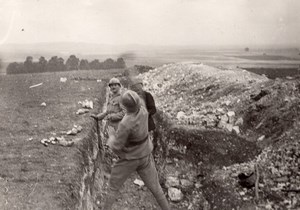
<point x="131" y="143"/>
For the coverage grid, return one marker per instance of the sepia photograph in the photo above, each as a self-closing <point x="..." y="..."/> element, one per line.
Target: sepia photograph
<point x="148" y="105"/>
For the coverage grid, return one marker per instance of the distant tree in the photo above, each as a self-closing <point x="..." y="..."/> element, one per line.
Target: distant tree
<point x="53" y="64"/>
<point x="61" y="66"/>
<point x="84" y="64"/>
<point x="247" y="49"/>
<point x="14" y="68"/>
<point x="72" y="63"/>
<point x="108" y="64"/>
<point x="120" y="63"/>
<point x="28" y="65"/>
<point x="95" y="64"/>
<point x="42" y="64"/>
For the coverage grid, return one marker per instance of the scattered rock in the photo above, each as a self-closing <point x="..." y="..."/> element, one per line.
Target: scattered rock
<point x="86" y="104"/>
<point x="239" y="121"/>
<point x="185" y="183"/>
<point x="139" y="182"/>
<point x="82" y="111"/>
<point x="172" y="181"/>
<point x="231" y="116"/>
<point x="180" y="115"/>
<point x="63" y="79"/>
<point x="261" y="138"/>
<point x="175" y="194"/>
<point x="76" y="129"/>
<point x="236" y="129"/>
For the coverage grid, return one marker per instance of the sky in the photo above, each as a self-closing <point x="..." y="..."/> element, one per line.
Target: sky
<point x="155" y="22"/>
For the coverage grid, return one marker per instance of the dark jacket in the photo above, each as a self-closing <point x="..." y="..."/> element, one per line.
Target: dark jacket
<point x="150" y="105"/>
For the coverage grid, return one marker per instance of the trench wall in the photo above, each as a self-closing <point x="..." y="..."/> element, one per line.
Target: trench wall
<point x="213" y="148"/>
<point x="88" y="175"/>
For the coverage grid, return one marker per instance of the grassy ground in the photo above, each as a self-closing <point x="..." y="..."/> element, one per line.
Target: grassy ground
<point x="33" y="176"/>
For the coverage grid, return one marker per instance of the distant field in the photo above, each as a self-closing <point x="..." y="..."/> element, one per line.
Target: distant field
<point x="258" y="58"/>
<point x="267" y="57"/>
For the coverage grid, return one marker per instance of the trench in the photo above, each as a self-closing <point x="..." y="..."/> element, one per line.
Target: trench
<point x="206" y="150"/>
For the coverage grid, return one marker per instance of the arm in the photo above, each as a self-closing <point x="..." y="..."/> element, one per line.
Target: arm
<point x="116" y="116"/>
<point x="150" y="103"/>
<point x="118" y="139"/>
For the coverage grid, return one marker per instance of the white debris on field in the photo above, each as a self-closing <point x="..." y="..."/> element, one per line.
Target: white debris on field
<point x="82" y="111"/>
<point x="63" y="79"/>
<point x="139" y="182"/>
<point x="86" y="104"/>
<point x="57" y="140"/>
<point x="76" y="129"/>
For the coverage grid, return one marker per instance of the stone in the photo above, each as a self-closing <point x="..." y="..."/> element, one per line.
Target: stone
<point x="198" y="185"/>
<point x="63" y="79"/>
<point x="185" y="183"/>
<point x="239" y="121"/>
<point x="180" y="115"/>
<point x="222" y="124"/>
<point x="231" y="116"/>
<point x="172" y="181"/>
<point x="139" y="182"/>
<point x="82" y="111"/>
<point x="229" y="127"/>
<point x="261" y="138"/>
<point x="236" y="129"/>
<point x="175" y="194"/>
<point x="224" y="118"/>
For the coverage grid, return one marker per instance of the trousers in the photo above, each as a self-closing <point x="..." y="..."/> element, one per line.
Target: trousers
<point x="145" y="167"/>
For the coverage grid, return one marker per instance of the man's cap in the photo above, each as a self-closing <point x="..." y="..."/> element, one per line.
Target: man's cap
<point x="114" y="81"/>
<point x="130" y="100"/>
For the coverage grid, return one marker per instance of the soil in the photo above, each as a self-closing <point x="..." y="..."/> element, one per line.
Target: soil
<point x="34" y="176"/>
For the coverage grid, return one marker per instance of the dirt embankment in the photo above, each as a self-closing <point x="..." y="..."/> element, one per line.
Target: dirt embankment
<point x="222" y="117"/>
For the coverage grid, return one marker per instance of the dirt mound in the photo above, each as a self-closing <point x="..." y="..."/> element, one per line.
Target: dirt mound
<point x="197" y="94"/>
<point x="260" y="110"/>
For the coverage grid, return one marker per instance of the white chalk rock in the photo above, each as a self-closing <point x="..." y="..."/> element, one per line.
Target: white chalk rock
<point x="180" y="115"/>
<point x="172" y="181"/>
<point x="239" y="121"/>
<point x="63" y="79"/>
<point x="231" y="116"/>
<point x="186" y="183"/>
<point x="261" y="138"/>
<point x="82" y="111"/>
<point x="139" y="182"/>
<point x="43" y="104"/>
<point x="229" y="127"/>
<point x="175" y="194"/>
<point x="236" y="129"/>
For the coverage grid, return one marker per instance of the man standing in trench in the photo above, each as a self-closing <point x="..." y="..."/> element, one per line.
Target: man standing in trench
<point x="114" y="112"/>
<point x="131" y="143"/>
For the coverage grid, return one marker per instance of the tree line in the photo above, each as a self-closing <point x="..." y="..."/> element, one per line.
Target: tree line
<point x="58" y="64"/>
